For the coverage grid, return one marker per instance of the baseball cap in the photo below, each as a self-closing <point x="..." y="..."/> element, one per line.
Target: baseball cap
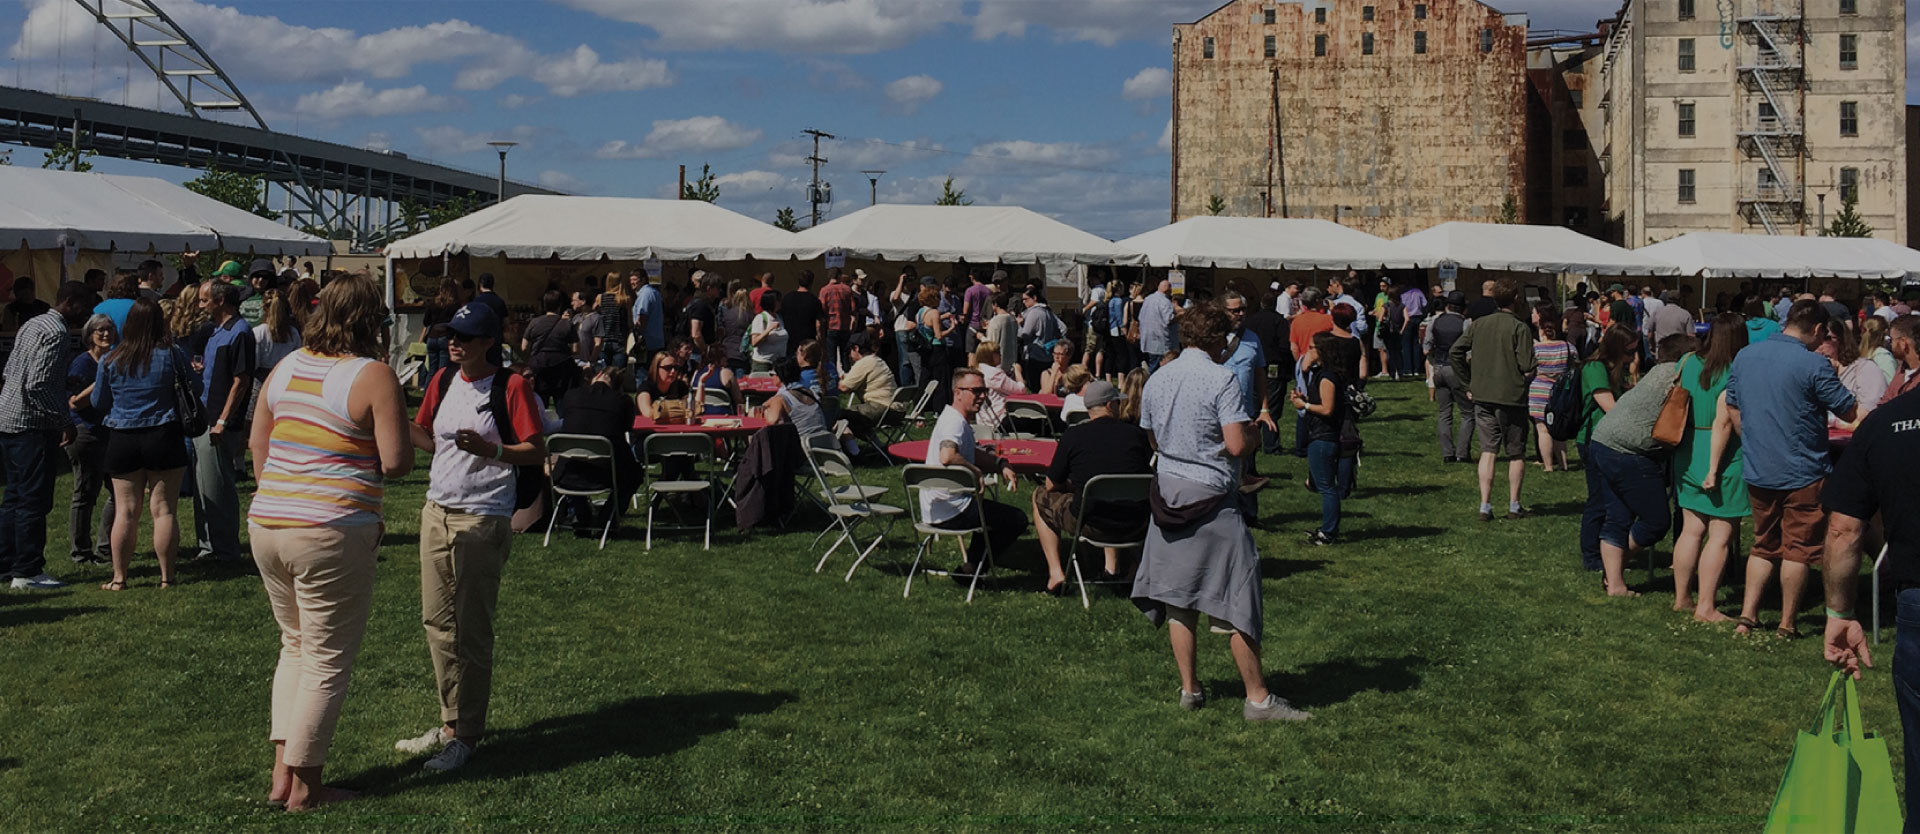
<point x="477" y="320"/>
<point x="1098" y="393"/>
<point x="261" y="266"/>
<point x="1617" y="287"/>
<point x="230" y="269"/>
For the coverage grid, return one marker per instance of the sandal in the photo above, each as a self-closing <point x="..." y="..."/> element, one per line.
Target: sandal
<point x="1788" y="633"/>
<point x="1750" y="624"/>
<point x="115" y="585"/>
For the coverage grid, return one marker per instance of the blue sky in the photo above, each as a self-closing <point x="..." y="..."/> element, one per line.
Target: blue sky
<point x="1057" y="105"/>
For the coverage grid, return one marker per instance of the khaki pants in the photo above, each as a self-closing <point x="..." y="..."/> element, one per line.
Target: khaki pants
<point x="319" y="581"/>
<point x="461" y="556"/>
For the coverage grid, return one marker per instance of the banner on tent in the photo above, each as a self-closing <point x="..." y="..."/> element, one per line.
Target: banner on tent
<point x="836" y="259"/>
<point x="1449" y="275"/>
<point x="1178" y="278"/>
<point x="653" y="267"/>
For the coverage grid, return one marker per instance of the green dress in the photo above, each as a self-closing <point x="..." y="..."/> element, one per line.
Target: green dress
<point x="1729" y="498"/>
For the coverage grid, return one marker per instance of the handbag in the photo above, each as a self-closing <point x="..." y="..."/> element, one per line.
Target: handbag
<point x="1676" y="416"/>
<point x="193" y="414"/>
<point x="1839" y="779"/>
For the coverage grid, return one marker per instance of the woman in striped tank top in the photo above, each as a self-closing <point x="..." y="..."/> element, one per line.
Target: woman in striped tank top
<point x="329" y="427"/>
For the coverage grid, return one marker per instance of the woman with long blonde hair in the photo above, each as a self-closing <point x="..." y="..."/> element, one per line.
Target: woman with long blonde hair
<point x="1873" y="345"/>
<point x="616" y="311"/>
<point x="185" y="315"/>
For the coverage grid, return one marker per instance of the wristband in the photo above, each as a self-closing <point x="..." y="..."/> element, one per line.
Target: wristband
<point x="499" y="450"/>
<point x="222" y="422"/>
<point x="1839" y="615"/>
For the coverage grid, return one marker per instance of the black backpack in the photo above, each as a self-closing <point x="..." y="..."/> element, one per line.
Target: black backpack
<point x="528" y="481"/>
<point x="1565" y="411"/>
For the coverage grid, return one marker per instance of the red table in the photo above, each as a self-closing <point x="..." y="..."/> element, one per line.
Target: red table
<point x="759" y="384"/>
<point x="1032" y="457"/>
<point x="1051" y="402"/>
<point x="746" y="426"/>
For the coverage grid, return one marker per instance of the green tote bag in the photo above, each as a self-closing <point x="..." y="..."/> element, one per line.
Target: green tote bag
<point x="1839" y="780"/>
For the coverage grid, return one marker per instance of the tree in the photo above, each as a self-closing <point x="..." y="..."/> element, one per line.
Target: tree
<point x="1216" y="204"/>
<point x="703" y="188"/>
<point x="419" y="218"/>
<point x="64" y="157"/>
<point x="949" y="196"/>
<point x="242" y="191"/>
<point x="1509" y="210"/>
<point x="1848" y="222"/>
<point x="784" y="220"/>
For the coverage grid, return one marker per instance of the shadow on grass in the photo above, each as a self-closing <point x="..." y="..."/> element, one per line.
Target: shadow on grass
<point x="1283" y="568"/>
<point x="1400" y="418"/>
<point x="412" y="540"/>
<point x="18" y="616"/>
<point x="9" y="764"/>
<point x="1403" y="489"/>
<point x="637" y="728"/>
<point x="1334" y="681"/>
<point x="1394" y="531"/>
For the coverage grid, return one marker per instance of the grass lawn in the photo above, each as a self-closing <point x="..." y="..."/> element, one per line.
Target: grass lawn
<point x="1462" y="676"/>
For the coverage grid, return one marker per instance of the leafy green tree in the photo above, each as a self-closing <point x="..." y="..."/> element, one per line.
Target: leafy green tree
<point x="1509" y="210"/>
<point x="418" y="218"/>
<point x="785" y="220"/>
<point x="1848" y="222"/>
<point x="950" y="196"/>
<point x="64" y="157"/>
<point x="703" y="188"/>
<point x="242" y="191"/>
<point x="1216" y="204"/>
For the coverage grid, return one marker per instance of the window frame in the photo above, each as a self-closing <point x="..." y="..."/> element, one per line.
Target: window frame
<point x="1269" y="17"/>
<point x="1684" y="10"/>
<point x="1486" y="41"/>
<point x="1849" y="51"/>
<point x="1366" y="14"/>
<point x="1366" y="43"/>
<point x="1849" y="183"/>
<point x="1849" y="8"/>
<point x="1688" y="187"/>
<point x="1271" y="47"/>
<point x="1850" y="119"/>
<point x="1419" y="11"/>
<point x="1320" y="16"/>
<point x="1685" y="55"/>
<point x="1420" y="42"/>
<point x="1320" y="46"/>
<point x="1685" y="120"/>
<point x="1206" y="48"/>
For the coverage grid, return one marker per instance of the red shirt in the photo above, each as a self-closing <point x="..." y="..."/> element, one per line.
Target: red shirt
<point x="837" y="299"/>
<point x="753" y="299"/>
<point x="1305" y="325"/>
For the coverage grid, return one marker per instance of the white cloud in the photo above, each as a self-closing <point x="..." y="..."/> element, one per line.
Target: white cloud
<point x="857" y="154"/>
<point x="754" y="181"/>
<point x="1166" y="138"/>
<point x="1152" y="83"/>
<point x="1105" y="22"/>
<point x="833" y="76"/>
<point x="516" y="101"/>
<point x="700" y="133"/>
<point x="914" y="90"/>
<point x="563" y="181"/>
<point x="802" y="26"/>
<point x="447" y="140"/>
<point x="1023" y="152"/>
<point x="582" y="71"/>
<point x="377" y="141"/>
<point x="354" y="99"/>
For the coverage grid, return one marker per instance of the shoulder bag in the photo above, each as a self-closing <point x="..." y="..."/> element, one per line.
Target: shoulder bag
<point x="1676" y="415"/>
<point x="192" y="413"/>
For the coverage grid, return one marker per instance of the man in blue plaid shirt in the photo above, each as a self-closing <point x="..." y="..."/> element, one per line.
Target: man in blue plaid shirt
<point x="34" y="423"/>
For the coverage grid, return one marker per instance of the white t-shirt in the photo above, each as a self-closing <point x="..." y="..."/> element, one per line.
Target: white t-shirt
<point x="1071" y="403"/>
<point x="938" y="505"/>
<point x="462" y="481"/>
<point x="775" y="345"/>
<point x="1283" y="304"/>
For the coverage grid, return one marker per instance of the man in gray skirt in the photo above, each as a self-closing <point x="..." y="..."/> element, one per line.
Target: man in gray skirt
<point x="1199" y="556"/>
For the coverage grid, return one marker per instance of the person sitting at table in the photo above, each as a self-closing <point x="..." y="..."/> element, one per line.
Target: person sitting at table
<point x="796" y="404"/>
<point x="1053" y="380"/>
<point x="1131" y="387"/>
<point x="599" y="409"/>
<point x="1077" y="378"/>
<point x="1000" y="384"/>
<point x="820" y="377"/>
<point x="1104" y="445"/>
<point x="952" y="444"/>
<point x="870" y="380"/>
<point x="665" y="382"/>
<point x="714" y="375"/>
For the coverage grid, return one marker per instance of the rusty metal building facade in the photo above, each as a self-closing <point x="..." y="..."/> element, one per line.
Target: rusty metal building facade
<point x="1386" y="115"/>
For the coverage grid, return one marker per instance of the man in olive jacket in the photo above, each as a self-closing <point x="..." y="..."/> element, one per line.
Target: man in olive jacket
<point x="1496" y="376"/>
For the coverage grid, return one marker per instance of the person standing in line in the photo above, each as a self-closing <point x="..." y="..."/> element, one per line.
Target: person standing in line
<point x="433" y="330"/>
<point x="1156" y="325"/>
<point x="976" y="306"/>
<point x="1496" y="377"/>
<point x="1003" y="330"/>
<point x="766" y="335"/>
<point x="1094" y="312"/>
<point x="1778" y="397"/>
<point x="1413" y="305"/>
<point x="1634" y="467"/>
<point x="34" y="421"/>
<point x="703" y="315"/>
<point x="465" y="525"/>
<point x="1287" y="303"/>
<point x="226" y="377"/>
<point x="1310" y="319"/>
<point x="1247" y="359"/>
<point x="801" y="313"/>
<point x="840" y="317"/>
<point x="487" y="296"/>
<point x="1448" y="393"/>
<point x="1328" y="411"/>
<point x="1271" y="328"/>
<point x="1604" y="378"/>
<point x="649" y="318"/>
<point x="1669" y="319"/>
<point x="1199" y="556"/>
<point x="275" y="338"/>
<point x="547" y="346"/>
<point x="88" y="451"/>
<point x="1555" y="358"/>
<point x="120" y="295"/>
<point x="1040" y="331"/>
<point x="616" y="316"/>
<point x="1712" y="502"/>
<point x="329" y="428"/>
<point x="146" y="456"/>
<point x="586" y="327"/>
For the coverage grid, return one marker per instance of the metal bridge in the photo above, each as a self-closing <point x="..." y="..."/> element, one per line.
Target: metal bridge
<point x="326" y="185"/>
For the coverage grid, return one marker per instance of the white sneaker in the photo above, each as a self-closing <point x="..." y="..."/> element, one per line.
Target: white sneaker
<point x="42" y="582"/>
<point x="432" y="741"/>
<point x="452" y="757"/>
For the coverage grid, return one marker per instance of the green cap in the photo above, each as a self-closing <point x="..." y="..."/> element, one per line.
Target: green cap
<point x="230" y="269"/>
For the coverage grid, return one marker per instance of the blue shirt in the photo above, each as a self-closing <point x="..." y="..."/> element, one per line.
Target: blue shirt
<point x="229" y="355"/>
<point x="648" y="304"/>
<point x="1759" y="330"/>
<point x="1784" y="391"/>
<point x="115" y="309"/>
<point x="139" y="401"/>
<point x="1248" y="358"/>
<point x="1116" y="312"/>
<point x="1187" y="405"/>
<point x="1156" y="325"/>
<point x="81" y="373"/>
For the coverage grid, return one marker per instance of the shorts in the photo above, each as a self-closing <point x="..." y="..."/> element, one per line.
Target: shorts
<point x="155" y="449"/>
<point x="1056" y="509"/>
<point x="1501" y="427"/>
<point x="1788" y="525"/>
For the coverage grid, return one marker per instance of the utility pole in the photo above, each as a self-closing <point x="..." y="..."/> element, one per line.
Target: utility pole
<point x="813" y="190"/>
<point x="873" y="187"/>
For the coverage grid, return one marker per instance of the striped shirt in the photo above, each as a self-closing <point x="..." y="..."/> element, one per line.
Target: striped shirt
<point x="322" y="469"/>
<point x="34" y="397"/>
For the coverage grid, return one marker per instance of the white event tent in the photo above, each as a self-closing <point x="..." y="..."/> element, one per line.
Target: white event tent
<point x="1537" y="249"/>
<point x="1730" y="255"/>
<point x="983" y="235"/>
<point x="539" y="227"/>
<point x="1270" y="244"/>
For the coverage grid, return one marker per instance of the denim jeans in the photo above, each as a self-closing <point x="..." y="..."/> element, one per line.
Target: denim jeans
<point x="905" y="367"/>
<point x="1906" y="692"/>
<point x="1595" y="511"/>
<point x="87" y="456"/>
<point x="1637" y="508"/>
<point x="26" y="462"/>
<point x="216" y="505"/>
<point x="436" y="356"/>
<point x="1410" y="358"/>
<point x="1332" y="476"/>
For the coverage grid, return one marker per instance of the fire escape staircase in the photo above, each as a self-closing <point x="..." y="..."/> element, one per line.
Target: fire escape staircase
<point x="1774" y="79"/>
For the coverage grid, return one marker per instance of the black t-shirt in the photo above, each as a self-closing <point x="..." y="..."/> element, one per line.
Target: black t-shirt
<point x="800" y="312"/>
<point x="702" y="311"/>
<point x="599" y="411"/>
<point x="1107" y="446"/>
<point x="551" y="339"/>
<point x="677" y="391"/>
<point x="1325" y="426"/>
<point x="1876" y="474"/>
<point x="1446" y="330"/>
<point x="1344" y="359"/>
<point x="493" y="299"/>
<point x="1271" y="327"/>
<point x="1482" y="306"/>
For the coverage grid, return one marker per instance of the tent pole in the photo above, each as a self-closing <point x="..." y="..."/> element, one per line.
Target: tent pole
<point x="393" y="307"/>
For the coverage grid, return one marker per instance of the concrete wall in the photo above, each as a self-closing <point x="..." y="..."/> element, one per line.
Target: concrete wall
<point x="1565" y="134"/>
<point x="1390" y="143"/>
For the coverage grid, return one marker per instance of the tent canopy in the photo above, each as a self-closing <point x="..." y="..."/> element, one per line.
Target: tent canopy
<point x="1269" y="243"/>
<point x="537" y="227"/>
<point x="975" y="234"/>
<point x="42" y="209"/>
<point x="1519" y="248"/>
<point x="1730" y="255"/>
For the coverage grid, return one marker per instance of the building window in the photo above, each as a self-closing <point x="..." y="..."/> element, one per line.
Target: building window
<point x="1273" y="47"/>
<point x="1366" y="43"/>
<point x="1419" y="11"/>
<point x="1206" y="49"/>
<point x="1849" y="6"/>
<point x="1769" y="118"/>
<point x="1575" y="217"/>
<point x="1486" y="40"/>
<point x="1267" y="17"/>
<point x="1849" y="118"/>
<point x="1686" y="9"/>
<point x="1574" y="176"/>
<point x="1366" y="13"/>
<point x="1769" y="185"/>
<point x="1573" y="140"/>
<point x="1686" y="120"/>
<point x="1849" y="51"/>
<point x="1320" y="15"/>
<point x="1687" y="195"/>
<point x="1319" y="46"/>
<point x="1849" y="185"/>
<point x="1686" y="54"/>
<point x="1573" y="99"/>
<point x="1419" y="43"/>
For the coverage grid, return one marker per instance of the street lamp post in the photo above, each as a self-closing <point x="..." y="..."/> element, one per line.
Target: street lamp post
<point x="503" y="145"/>
<point x="873" y="187"/>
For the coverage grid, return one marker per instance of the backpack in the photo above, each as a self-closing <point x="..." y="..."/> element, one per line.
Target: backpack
<point x="1565" y="411"/>
<point x="528" y="481"/>
<point x="1097" y="319"/>
<point x="1396" y="316"/>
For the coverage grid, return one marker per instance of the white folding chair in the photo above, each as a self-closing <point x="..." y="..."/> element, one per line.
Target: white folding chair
<point x="892" y="420"/>
<point x="954" y="482"/>
<point x="848" y="516"/>
<point x="719" y="398"/>
<point x="1105" y="489"/>
<point x="582" y="449"/>
<point x="1027" y="420"/>
<point x="1877" y="562"/>
<point x="916" y="415"/>
<point x="668" y="449"/>
<point x="1074" y="418"/>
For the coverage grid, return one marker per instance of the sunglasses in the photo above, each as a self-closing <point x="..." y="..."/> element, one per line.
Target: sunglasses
<point x="670" y="367"/>
<point x="974" y="391"/>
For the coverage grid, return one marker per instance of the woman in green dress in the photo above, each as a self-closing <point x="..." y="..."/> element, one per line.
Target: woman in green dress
<point x="1711" y="502"/>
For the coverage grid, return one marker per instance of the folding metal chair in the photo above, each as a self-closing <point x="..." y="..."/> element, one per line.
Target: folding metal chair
<point x="694" y="450"/>
<point x="1074" y="418"/>
<point x="954" y="482"/>
<point x="891" y="421"/>
<point x="849" y="517"/>
<point x="915" y="417"/>
<point x="1104" y="489"/>
<point x="581" y="449"/>
<point x="1027" y="420"/>
<point x="719" y="398"/>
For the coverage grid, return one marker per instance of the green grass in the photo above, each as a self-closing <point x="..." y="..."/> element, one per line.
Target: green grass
<point x="1462" y="676"/>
